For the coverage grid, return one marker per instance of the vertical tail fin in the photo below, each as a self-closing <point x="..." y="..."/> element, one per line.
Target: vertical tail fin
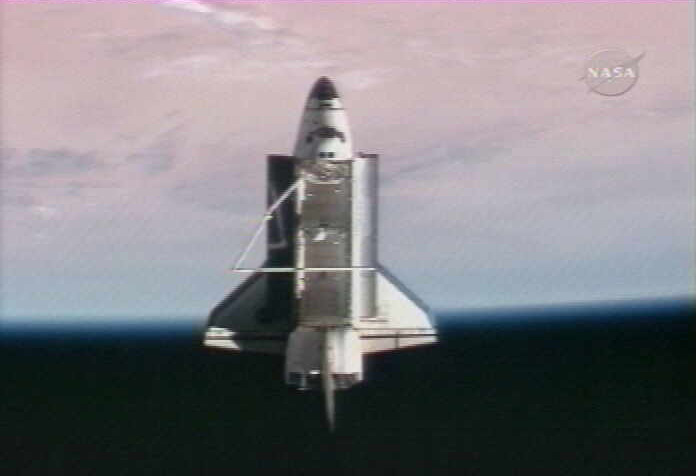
<point x="328" y="383"/>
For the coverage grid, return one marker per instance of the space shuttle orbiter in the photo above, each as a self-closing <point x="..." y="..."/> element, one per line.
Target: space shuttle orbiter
<point x="321" y="298"/>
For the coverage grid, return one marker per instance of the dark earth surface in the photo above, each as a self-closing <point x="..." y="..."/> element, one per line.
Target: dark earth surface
<point x="598" y="390"/>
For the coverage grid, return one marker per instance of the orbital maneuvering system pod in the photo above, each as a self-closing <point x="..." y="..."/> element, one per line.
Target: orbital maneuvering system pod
<point x="321" y="298"/>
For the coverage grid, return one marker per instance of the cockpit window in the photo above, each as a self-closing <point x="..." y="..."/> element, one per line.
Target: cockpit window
<point x="327" y="132"/>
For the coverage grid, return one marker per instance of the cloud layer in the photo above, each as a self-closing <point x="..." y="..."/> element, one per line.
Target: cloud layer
<point x="133" y="148"/>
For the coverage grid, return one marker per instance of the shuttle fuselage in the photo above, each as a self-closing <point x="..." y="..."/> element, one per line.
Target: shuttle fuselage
<point x="321" y="298"/>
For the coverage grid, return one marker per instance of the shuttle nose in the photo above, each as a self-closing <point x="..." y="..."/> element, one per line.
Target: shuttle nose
<point x="323" y="89"/>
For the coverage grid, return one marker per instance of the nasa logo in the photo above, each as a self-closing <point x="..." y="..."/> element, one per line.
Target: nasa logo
<point x="611" y="72"/>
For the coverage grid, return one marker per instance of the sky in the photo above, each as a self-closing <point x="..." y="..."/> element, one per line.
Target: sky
<point x="134" y="139"/>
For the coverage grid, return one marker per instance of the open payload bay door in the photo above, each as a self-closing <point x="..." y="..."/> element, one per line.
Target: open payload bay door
<point x="255" y="317"/>
<point x="402" y="319"/>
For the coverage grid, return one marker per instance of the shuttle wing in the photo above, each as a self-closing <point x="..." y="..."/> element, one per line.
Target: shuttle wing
<point x="255" y="317"/>
<point x="402" y="319"/>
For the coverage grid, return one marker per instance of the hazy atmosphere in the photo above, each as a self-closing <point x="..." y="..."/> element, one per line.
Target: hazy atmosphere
<point x="134" y="140"/>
